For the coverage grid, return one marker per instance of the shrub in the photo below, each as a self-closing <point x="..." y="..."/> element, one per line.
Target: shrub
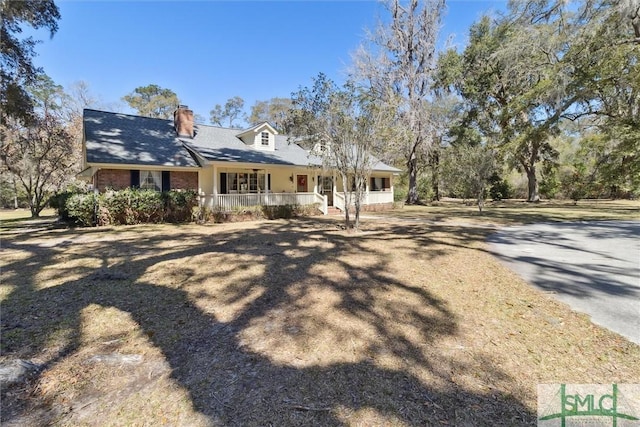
<point x="277" y="212"/>
<point x="246" y="213"/>
<point x="131" y="206"/>
<point x="179" y="205"/>
<point x="307" y="210"/>
<point x="425" y="188"/>
<point x="147" y="206"/>
<point x="59" y="200"/>
<point x="81" y="208"/>
<point x="218" y="215"/>
<point x="115" y="207"/>
<point x="575" y="184"/>
<point x="400" y="194"/>
<point x="134" y="206"/>
<point x="499" y="188"/>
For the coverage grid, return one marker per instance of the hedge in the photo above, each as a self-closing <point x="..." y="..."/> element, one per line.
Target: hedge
<point x="126" y="207"/>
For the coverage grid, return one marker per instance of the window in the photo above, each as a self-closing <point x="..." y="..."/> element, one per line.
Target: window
<point x="151" y="180"/>
<point x="232" y="183"/>
<point x="264" y="138"/>
<point x="246" y="182"/>
<point x="379" y="184"/>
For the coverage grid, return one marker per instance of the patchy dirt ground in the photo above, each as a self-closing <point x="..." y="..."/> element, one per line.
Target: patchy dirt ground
<point x="284" y="323"/>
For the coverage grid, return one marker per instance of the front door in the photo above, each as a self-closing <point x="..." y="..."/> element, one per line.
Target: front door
<point x="302" y="184"/>
<point x="326" y="188"/>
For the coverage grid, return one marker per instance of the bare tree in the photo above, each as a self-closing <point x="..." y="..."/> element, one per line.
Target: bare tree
<point x="343" y="125"/>
<point x="77" y="97"/>
<point x="39" y="156"/>
<point x="398" y="64"/>
<point x="44" y="153"/>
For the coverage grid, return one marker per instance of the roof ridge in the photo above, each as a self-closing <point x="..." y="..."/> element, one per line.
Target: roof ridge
<point x="124" y="114"/>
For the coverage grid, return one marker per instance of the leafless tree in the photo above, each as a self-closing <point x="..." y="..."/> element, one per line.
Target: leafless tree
<point x="343" y="127"/>
<point x="39" y="156"/>
<point x="43" y="155"/>
<point x="398" y="63"/>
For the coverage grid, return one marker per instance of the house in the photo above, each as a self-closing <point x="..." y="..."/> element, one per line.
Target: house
<point x="228" y="167"/>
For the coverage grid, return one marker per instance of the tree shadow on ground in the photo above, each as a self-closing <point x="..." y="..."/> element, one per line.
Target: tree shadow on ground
<point x="225" y="303"/>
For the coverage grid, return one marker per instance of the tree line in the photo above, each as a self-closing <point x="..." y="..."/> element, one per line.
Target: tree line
<point x="158" y="102"/>
<point x="548" y="89"/>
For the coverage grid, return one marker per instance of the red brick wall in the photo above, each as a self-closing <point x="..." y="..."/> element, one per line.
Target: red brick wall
<point x="116" y="179"/>
<point x="119" y="179"/>
<point x="184" y="180"/>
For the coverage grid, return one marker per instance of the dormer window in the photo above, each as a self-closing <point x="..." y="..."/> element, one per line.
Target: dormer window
<point x="260" y="137"/>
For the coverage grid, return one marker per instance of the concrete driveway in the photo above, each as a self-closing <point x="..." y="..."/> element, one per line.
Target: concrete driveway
<point x="594" y="267"/>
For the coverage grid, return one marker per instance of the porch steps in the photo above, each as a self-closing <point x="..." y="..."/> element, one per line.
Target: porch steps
<point x="332" y="210"/>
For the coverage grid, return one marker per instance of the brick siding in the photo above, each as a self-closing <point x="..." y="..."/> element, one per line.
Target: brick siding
<point x="117" y="179"/>
<point x="184" y="180"/>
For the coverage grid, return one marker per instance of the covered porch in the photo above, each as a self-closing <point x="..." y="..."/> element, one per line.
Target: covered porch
<point x="227" y="188"/>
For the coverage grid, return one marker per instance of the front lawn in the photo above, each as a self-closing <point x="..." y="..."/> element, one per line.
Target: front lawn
<point x="285" y="323"/>
<point x="509" y="212"/>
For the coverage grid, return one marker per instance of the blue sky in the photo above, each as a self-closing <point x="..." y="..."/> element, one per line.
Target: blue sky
<point x="209" y="51"/>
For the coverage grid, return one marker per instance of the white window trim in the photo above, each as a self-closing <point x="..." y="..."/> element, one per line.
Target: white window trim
<point x="262" y="139"/>
<point x="244" y="186"/>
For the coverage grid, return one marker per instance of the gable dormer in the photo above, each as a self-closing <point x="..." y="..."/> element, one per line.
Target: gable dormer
<point x="261" y="137"/>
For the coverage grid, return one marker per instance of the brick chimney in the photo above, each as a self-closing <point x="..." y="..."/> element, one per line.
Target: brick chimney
<point x="183" y="121"/>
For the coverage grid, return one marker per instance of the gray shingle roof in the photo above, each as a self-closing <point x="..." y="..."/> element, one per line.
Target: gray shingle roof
<point x="222" y="144"/>
<point x="124" y="139"/>
<point x="114" y="138"/>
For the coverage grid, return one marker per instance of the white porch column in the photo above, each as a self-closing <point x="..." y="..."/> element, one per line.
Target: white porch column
<point x="366" y="190"/>
<point x="214" y="202"/>
<point x="393" y="197"/>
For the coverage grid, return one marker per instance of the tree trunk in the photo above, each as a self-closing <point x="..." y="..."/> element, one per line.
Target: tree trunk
<point x="481" y="200"/>
<point x="532" y="184"/>
<point x="15" y="192"/>
<point x="435" y="174"/>
<point x="412" y="196"/>
<point x="347" y="201"/>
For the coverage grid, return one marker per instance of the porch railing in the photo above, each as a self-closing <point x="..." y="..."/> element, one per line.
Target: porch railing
<point x="228" y="202"/>
<point x="370" y="198"/>
<point x="338" y="201"/>
<point x="377" y="197"/>
<point x="323" y="202"/>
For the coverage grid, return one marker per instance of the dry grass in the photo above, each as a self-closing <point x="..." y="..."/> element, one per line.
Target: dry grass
<point x="285" y="323"/>
<point x="509" y="212"/>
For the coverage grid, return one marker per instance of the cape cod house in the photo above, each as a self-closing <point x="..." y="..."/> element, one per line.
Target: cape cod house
<point x="228" y="167"/>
